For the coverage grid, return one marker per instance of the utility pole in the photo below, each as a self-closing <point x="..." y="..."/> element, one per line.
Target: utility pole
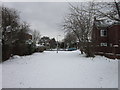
<point x="64" y="41"/>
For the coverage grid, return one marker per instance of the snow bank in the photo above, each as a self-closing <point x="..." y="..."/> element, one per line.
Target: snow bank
<point x="15" y="57"/>
<point x="65" y="69"/>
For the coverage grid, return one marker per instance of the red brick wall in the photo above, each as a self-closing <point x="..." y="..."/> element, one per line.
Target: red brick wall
<point x="114" y="34"/>
<point x="113" y="37"/>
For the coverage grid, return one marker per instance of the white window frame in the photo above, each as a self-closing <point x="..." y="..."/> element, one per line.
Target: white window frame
<point x="102" y="33"/>
<point x="103" y="44"/>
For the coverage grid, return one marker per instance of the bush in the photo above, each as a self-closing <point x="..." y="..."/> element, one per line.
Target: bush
<point x="30" y="49"/>
<point x="40" y="49"/>
<point x="6" y="52"/>
<point x="88" y="49"/>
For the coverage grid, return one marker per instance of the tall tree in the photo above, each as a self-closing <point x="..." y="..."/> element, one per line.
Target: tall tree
<point x="70" y="39"/>
<point x="13" y="33"/>
<point x="10" y="24"/>
<point x="80" y="21"/>
<point x="36" y="36"/>
<point x="52" y="43"/>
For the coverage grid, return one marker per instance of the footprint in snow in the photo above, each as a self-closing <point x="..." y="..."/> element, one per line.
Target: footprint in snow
<point x="21" y="83"/>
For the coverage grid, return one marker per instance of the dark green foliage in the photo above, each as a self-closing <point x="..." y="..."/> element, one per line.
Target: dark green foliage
<point x="40" y="49"/>
<point x="14" y="35"/>
<point x="52" y="43"/>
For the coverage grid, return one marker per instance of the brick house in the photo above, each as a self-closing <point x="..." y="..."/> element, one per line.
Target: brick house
<point x="28" y="36"/>
<point x="106" y="38"/>
<point x="45" y="41"/>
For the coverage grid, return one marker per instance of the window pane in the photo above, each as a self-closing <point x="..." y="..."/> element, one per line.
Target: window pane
<point x="103" y="44"/>
<point x="103" y="33"/>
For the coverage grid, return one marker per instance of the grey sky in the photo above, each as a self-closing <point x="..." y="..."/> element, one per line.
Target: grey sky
<point x="45" y="17"/>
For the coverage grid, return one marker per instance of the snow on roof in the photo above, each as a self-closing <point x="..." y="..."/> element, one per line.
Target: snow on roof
<point x="8" y="28"/>
<point x="30" y="32"/>
<point x="39" y="45"/>
<point x="104" y="22"/>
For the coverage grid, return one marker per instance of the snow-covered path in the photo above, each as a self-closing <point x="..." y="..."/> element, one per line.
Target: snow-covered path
<point x="65" y="69"/>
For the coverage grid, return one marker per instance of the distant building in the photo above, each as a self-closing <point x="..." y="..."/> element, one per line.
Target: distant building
<point x="28" y="36"/>
<point x="106" y="37"/>
<point x="45" y="41"/>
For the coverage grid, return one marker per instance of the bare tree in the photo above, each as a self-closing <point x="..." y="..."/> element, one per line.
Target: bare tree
<point x="80" y="22"/>
<point x="110" y="10"/>
<point x="70" y="39"/>
<point x="36" y="36"/>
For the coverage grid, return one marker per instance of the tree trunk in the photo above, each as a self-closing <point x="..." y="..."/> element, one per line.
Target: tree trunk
<point x="81" y="51"/>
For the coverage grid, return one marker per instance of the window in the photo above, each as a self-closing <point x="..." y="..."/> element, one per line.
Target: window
<point x="103" y="33"/>
<point x="103" y="44"/>
<point x="110" y="44"/>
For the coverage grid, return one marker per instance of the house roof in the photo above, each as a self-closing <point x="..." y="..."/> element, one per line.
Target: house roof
<point x="30" y="32"/>
<point x="116" y="23"/>
<point x="105" y="22"/>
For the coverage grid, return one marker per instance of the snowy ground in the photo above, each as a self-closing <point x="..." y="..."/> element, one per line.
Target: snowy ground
<point x="0" y="76"/>
<point x="65" y="69"/>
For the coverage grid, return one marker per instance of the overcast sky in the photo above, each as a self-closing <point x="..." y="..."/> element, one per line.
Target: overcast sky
<point x="45" y="17"/>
